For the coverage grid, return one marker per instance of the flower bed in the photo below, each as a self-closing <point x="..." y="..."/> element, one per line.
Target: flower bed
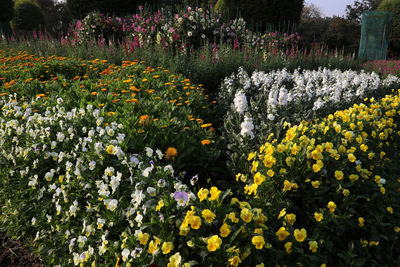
<point x="285" y="98"/>
<point x="86" y="188"/>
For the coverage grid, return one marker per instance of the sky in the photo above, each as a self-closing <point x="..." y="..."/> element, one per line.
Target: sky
<point x="331" y="8"/>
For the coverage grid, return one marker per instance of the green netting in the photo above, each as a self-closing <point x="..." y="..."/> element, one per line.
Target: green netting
<point x="375" y="31"/>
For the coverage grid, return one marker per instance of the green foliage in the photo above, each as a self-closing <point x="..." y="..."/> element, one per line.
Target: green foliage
<point x="28" y="16"/>
<point x="393" y="6"/>
<point x="354" y="12"/>
<point x="6" y="10"/>
<point x="80" y="8"/>
<point x="264" y="12"/>
<point x="342" y="33"/>
<point x="56" y="16"/>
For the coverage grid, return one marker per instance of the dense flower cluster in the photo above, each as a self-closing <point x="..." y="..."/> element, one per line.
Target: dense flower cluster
<point x="264" y="102"/>
<point x="189" y="28"/>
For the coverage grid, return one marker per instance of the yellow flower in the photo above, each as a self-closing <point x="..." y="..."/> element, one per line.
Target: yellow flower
<point x="233" y="218"/>
<point x="258" y="241"/>
<point x="353" y="177"/>
<point x="143" y="238"/>
<point x="318" y="166"/>
<point x="225" y="230"/>
<point x="258" y="231"/>
<point x="282" y="213"/>
<point x="282" y="234"/>
<point x="390" y="210"/>
<point x="373" y="243"/>
<point x="160" y="205"/>
<point x="269" y="161"/>
<point x="361" y="221"/>
<point x="254" y="167"/>
<point x="371" y="155"/>
<point x="167" y="247"/>
<point x="339" y="175"/>
<point x="195" y="222"/>
<point x="246" y="215"/>
<point x="259" y="178"/>
<point x="153" y="247"/>
<point x="214" y="193"/>
<point x="291" y="218"/>
<point x="331" y="206"/>
<point x="318" y="216"/>
<point x="208" y="215"/>
<point x="313" y="246"/>
<point x="316" y="184"/>
<point x="364" y="147"/>
<point x="175" y="260"/>
<point x="383" y="190"/>
<point x="202" y="194"/>
<point x="300" y="235"/>
<point x="214" y="243"/>
<point x="234" y="261"/>
<point x="351" y="157"/>
<point x="270" y="173"/>
<point x="288" y="247"/>
<point x="111" y="149"/>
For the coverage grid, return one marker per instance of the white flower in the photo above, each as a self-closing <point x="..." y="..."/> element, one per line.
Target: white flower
<point x="189" y="33"/>
<point x="240" y="102"/>
<point x="111" y="204"/>
<point x="282" y="97"/>
<point x="271" y="117"/>
<point x="149" y="152"/>
<point x="100" y="223"/>
<point x="125" y="254"/>
<point x="147" y="171"/>
<point x="159" y="154"/>
<point x="247" y="127"/>
<point x="33" y="220"/>
<point x="92" y="165"/>
<point x="81" y="241"/>
<point x="151" y="191"/>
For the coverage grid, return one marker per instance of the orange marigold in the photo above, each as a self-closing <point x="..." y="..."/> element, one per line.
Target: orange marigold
<point x="171" y="153"/>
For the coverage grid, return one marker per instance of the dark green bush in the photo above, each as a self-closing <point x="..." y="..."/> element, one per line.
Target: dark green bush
<point x="28" y="16"/>
<point x="6" y="10"/>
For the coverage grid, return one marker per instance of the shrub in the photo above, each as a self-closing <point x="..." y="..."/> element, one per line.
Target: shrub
<point x="6" y="10"/>
<point x="394" y="7"/>
<point x="28" y="16"/>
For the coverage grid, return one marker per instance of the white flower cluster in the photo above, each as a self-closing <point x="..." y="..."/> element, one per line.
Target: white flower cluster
<point x="300" y="91"/>
<point x="79" y="171"/>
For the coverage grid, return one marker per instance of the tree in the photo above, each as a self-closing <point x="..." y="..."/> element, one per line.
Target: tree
<point x="56" y="16"/>
<point x="394" y="39"/>
<point x="313" y="25"/>
<point x="354" y="12"/>
<point x="28" y="16"/>
<point x="311" y="11"/>
<point x="80" y="8"/>
<point x="265" y="12"/>
<point x="6" y="10"/>
<point x="342" y="33"/>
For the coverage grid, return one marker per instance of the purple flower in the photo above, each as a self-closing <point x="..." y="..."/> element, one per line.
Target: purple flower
<point x="181" y="197"/>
